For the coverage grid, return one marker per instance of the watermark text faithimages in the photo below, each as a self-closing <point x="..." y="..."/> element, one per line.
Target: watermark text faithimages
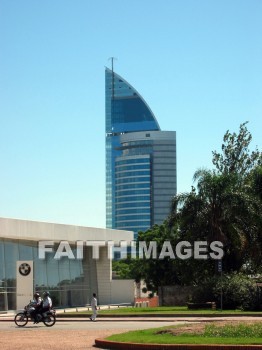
<point x="200" y="250"/>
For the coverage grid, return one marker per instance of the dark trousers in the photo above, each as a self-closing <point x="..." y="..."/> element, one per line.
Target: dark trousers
<point x="34" y="313"/>
<point x="43" y="310"/>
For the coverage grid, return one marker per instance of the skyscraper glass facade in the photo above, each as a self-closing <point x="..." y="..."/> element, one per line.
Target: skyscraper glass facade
<point x="133" y="158"/>
<point x="133" y="193"/>
<point x="126" y="111"/>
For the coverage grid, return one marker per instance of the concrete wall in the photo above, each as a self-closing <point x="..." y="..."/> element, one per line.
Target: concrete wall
<point x="122" y="291"/>
<point x="104" y="277"/>
<point x="37" y="231"/>
<point x="174" y="295"/>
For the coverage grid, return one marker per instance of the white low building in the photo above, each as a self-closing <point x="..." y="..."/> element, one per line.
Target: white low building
<point x="32" y="258"/>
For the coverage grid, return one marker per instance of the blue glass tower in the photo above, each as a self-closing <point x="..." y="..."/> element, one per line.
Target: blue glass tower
<point x="132" y="139"/>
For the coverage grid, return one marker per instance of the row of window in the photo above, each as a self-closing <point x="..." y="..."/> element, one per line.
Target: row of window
<point x="142" y="151"/>
<point x="145" y="224"/>
<point x="136" y="204"/>
<point x="132" y="161"/>
<point x="133" y="180"/>
<point x="132" y="173"/>
<point x="137" y="143"/>
<point x="132" y="193"/>
<point x="132" y="167"/>
<point x="133" y="211"/>
<point x="132" y="198"/>
<point x="130" y="186"/>
<point x="160" y="148"/>
<point x="126" y="218"/>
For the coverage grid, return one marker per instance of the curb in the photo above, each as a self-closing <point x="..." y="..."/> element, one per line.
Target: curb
<point x="107" y="344"/>
<point x="142" y="318"/>
<point x="98" y="319"/>
<point x="64" y="315"/>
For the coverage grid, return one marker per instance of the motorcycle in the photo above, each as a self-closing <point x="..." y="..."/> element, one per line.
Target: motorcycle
<point x="22" y="318"/>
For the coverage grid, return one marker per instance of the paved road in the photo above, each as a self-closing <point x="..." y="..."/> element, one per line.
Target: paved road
<point x="67" y="335"/>
<point x="79" y="334"/>
<point x="88" y="325"/>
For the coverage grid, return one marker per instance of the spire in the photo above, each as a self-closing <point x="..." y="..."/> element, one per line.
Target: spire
<point x="113" y="78"/>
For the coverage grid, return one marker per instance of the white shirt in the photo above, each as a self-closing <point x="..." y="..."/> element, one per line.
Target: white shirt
<point x="94" y="303"/>
<point x="37" y="302"/>
<point x="47" y="302"/>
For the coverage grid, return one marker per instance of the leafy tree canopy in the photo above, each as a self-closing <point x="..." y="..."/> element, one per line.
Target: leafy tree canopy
<point x="225" y="205"/>
<point x="236" y="156"/>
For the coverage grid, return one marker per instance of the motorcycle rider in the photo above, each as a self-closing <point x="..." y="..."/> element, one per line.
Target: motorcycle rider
<point x="46" y="303"/>
<point x="36" y="306"/>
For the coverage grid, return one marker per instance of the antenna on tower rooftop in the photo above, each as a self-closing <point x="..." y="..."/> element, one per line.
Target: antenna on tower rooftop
<point x="113" y="77"/>
<point x="112" y="63"/>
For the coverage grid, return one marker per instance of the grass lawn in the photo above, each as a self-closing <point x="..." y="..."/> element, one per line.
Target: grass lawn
<point x="160" y="311"/>
<point x="240" y="334"/>
<point x="171" y="310"/>
<point x="164" y="310"/>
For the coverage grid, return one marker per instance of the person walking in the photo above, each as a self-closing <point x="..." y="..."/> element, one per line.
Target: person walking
<point x="94" y="307"/>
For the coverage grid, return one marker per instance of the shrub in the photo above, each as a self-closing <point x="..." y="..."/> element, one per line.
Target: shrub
<point x="204" y="292"/>
<point x="239" y="292"/>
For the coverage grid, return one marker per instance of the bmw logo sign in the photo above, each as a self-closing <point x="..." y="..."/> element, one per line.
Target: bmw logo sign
<point x="24" y="269"/>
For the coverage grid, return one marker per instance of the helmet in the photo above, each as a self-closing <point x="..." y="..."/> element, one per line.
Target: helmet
<point x="36" y="295"/>
<point x="46" y="294"/>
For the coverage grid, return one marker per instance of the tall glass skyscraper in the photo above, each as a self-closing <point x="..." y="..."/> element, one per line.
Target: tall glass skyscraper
<point x="140" y="160"/>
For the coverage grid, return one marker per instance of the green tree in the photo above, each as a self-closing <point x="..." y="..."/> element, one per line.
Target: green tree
<point x="164" y="268"/>
<point x="236" y="156"/>
<point x="123" y="268"/>
<point x="253" y="222"/>
<point x="157" y="272"/>
<point x="212" y="211"/>
<point x="256" y="181"/>
<point x="226" y="203"/>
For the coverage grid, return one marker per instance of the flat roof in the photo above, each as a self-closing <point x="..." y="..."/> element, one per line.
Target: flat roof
<point x="41" y="231"/>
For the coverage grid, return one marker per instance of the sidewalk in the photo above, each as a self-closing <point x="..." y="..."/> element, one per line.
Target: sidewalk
<point x="63" y="315"/>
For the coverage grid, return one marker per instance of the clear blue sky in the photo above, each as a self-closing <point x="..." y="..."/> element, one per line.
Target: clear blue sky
<point x="197" y="63"/>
